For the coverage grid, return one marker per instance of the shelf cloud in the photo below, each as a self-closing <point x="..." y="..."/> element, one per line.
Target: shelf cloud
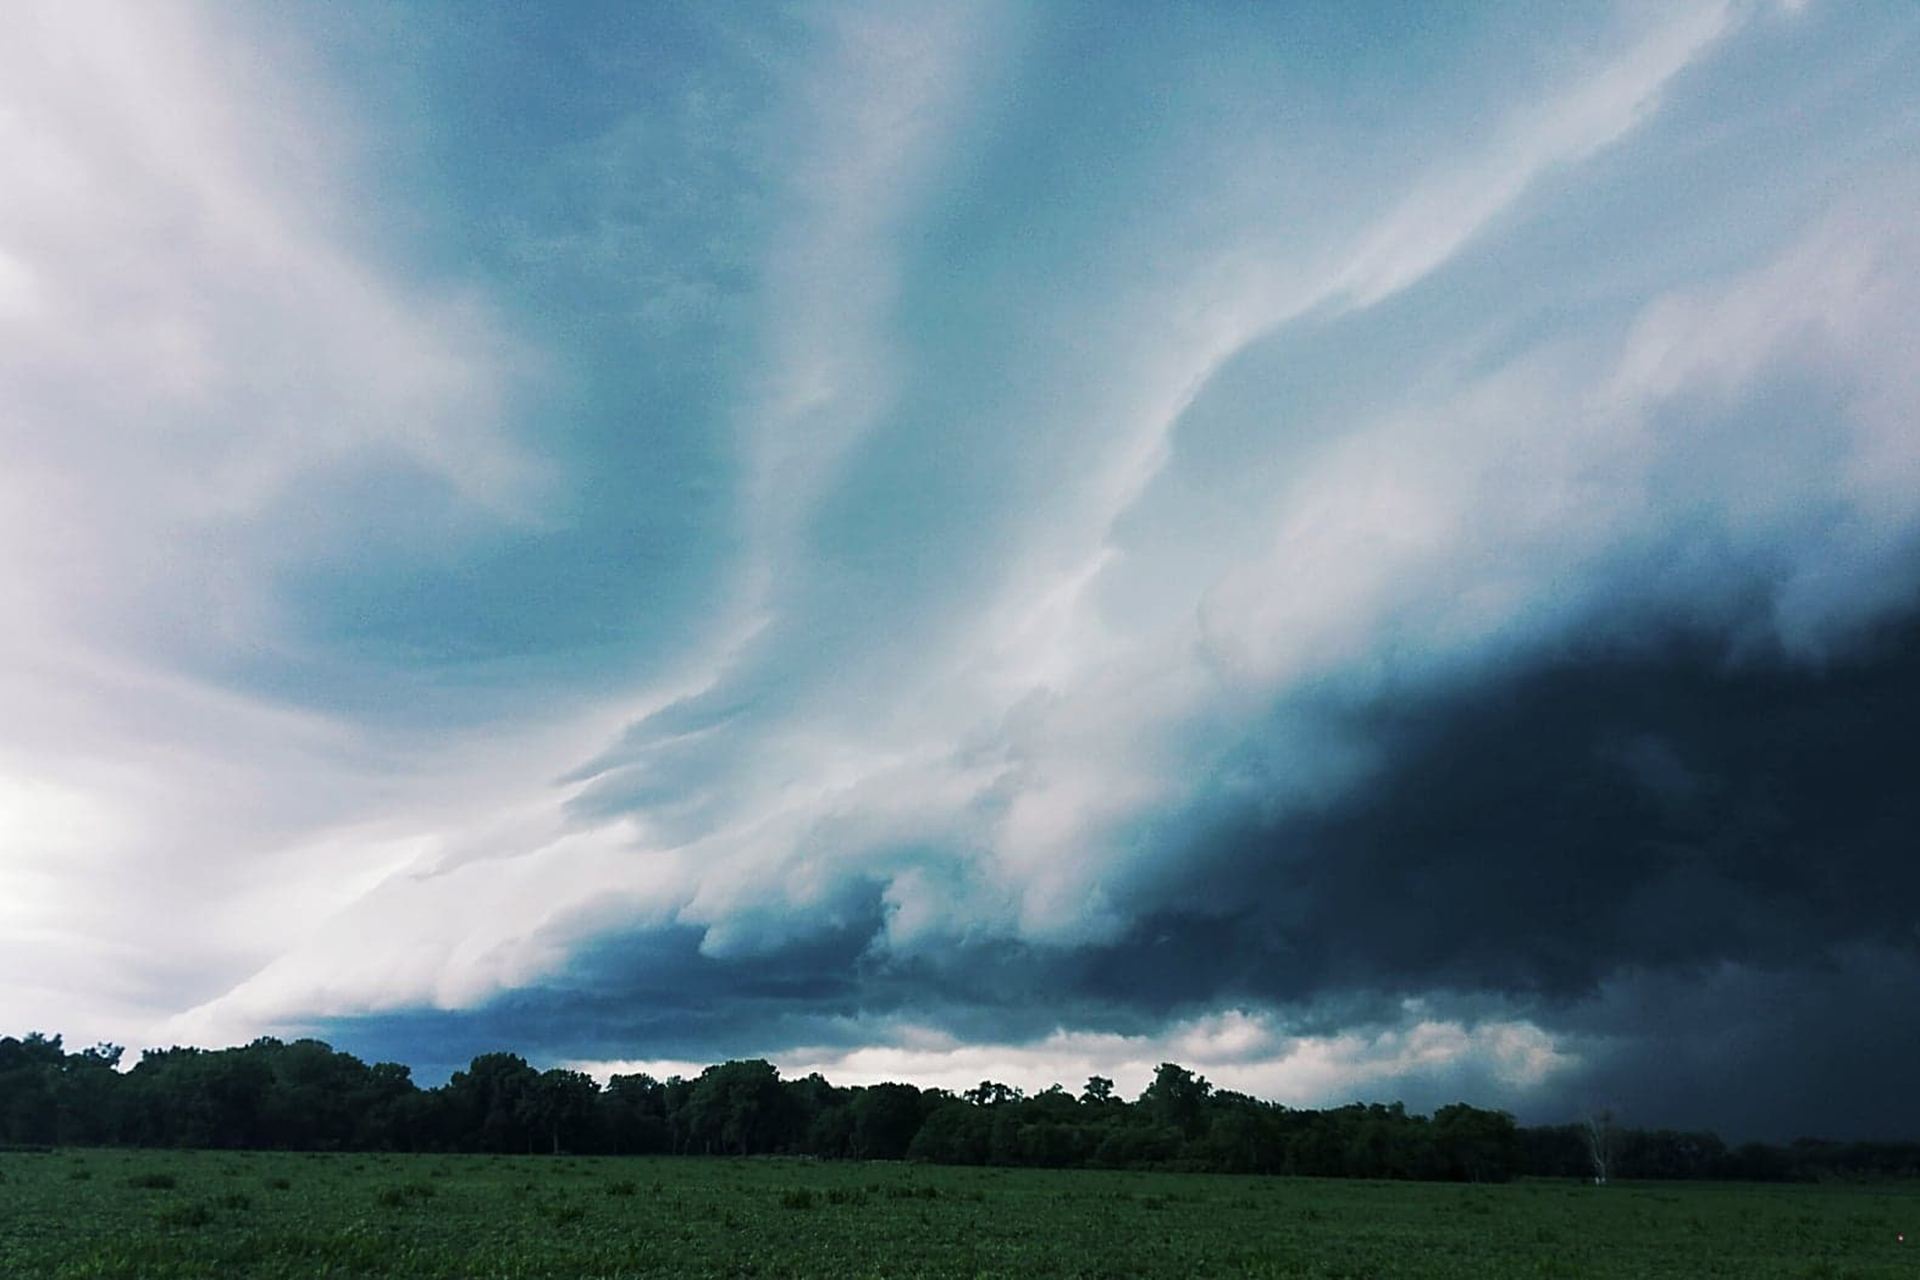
<point x="1373" y="558"/>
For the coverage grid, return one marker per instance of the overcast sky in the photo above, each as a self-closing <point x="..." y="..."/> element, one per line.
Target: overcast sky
<point x="1370" y="550"/>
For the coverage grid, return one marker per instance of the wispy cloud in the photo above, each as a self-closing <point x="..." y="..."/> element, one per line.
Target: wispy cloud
<point x="1014" y="560"/>
<point x="1404" y="547"/>
<point x="197" y="372"/>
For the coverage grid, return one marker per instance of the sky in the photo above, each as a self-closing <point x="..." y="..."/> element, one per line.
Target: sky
<point x="1371" y="551"/>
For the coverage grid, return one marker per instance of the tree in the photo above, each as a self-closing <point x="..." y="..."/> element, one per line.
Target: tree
<point x="1176" y="1097"/>
<point x="319" y="1098"/>
<point x="486" y="1102"/>
<point x="559" y="1103"/>
<point x="885" y="1118"/>
<point x="87" y="1093"/>
<point x="1477" y="1145"/>
<point x="29" y="1074"/>
<point x="634" y="1112"/>
<point x="1239" y="1137"/>
<point x="956" y="1133"/>
<point x="1603" y="1143"/>
<point x="305" y="1095"/>
<point x="740" y="1106"/>
<point x="989" y="1093"/>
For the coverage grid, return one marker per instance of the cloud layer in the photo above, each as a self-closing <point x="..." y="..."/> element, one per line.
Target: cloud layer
<point x="964" y="542"/>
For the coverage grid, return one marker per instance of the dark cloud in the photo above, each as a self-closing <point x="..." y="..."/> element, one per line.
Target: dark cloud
<point x="1695" y="866"/>
<point x="1659" y="805"/>
<point x="644" y="995"/>
<point x="1825" y="1048"/>
<point x="1702" y="862"/>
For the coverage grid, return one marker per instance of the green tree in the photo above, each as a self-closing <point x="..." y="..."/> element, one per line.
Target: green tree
<point x="954" y="1133"/>
<point x="485" y="1102"/>
<point x="1476" y="1145"/>
<point x="885" y="1117"/>
<point x="1177" y="1098"/>
<point x="739" y="1106"/>
<point x="989" y="1093"/>
<point x="634" y="1111"/>
<point x="559" y="1104"/>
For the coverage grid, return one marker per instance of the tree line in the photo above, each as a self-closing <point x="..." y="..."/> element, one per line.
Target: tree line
<point x="306" y="1095"/>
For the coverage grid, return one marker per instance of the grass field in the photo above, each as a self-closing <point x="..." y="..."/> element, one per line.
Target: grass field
<point x="176" y="1214"/>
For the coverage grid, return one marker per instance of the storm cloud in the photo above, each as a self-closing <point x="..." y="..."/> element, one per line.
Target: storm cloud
<point x="1375" y="558"/>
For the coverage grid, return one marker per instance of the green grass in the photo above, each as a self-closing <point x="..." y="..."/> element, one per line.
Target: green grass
<point x="114" y="1213"/>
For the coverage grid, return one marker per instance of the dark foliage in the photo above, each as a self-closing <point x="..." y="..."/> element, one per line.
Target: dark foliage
<point x="307" y="1096"/>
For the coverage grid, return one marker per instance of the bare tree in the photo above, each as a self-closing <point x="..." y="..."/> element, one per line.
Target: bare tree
<point x="1603" y="1143"/>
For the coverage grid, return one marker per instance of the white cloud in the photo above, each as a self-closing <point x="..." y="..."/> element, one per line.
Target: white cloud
<point x="872" y="112"/>
<point x="191" y="353"/>
<point x="188" y="347"/>
<point x="195" y="364"/>
<point x="1487" y="515"/>
<point x="1252" y="1053"/>
<point x="1455" y="204"/>
<point x="1259" y="285"/>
